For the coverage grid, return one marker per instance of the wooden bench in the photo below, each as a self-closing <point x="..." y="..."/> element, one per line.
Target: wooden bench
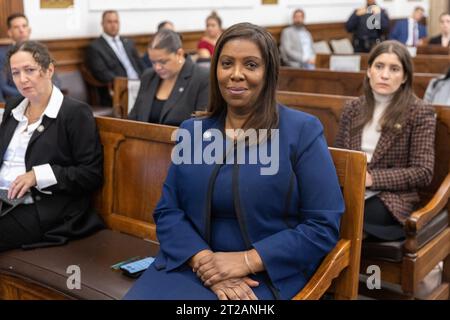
<point x="428" y="233"/>
<point x="337" y="82"/>
<point x="423" y="63"/>
<point x="137" y="156"/>
<point x="136" y="160"/>
<point x="433" y="49"/>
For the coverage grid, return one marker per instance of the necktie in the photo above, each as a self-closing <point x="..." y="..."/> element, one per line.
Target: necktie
<point x="123" y="57"/>
<point x="415" y="34"/>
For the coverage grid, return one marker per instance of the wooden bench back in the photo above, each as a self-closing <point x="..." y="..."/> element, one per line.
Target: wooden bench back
<point x="137" y="158"/>
<point x="351" y="171"/>
<point x="136" y="161"/>
<point x="424" y="63"/>
<point x="328" y="109"/>
<point x="337" y="82"/>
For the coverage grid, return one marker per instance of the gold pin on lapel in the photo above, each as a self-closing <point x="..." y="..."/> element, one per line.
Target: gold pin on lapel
<point x="398" y="126"/>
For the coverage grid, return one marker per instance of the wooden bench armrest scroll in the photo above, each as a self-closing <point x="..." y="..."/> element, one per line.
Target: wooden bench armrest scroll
<point x="421" y="217"/>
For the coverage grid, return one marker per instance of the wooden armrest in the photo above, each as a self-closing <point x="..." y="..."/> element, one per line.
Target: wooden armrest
<point x="421" y="217"/>
<point x="329" y="269"/>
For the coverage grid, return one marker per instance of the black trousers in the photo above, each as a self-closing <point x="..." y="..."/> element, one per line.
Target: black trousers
<point x="20" y="226"/>
<point x="379" y="223"/>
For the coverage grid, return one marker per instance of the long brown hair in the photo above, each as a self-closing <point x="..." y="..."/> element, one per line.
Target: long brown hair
<point x="398" y="108"/>
<point x="264" y="114"/>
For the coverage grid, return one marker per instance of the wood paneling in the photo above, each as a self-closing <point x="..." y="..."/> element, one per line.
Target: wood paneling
<point x="69" y="53"/>
<point x="422" y="63"/>
<point x="337" y="83"/>
<point x="8" y="7"/>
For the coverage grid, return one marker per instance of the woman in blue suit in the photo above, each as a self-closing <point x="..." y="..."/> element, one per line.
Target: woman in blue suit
<point x="232" y="226"/>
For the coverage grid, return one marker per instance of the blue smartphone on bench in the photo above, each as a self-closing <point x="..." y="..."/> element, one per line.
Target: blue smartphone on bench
<point x="136" y="268"/>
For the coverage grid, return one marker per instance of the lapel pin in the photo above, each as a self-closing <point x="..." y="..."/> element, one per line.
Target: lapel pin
<point x="397" y="126"/>
<point x="181" y="89"/>
<point x="40" y="128"/>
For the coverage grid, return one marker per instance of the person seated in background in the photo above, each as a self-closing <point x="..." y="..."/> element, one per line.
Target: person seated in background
<point x="174" y="88"/>
<point x="396" y="130"/>
<point x="443" y="39"/>
<point x="162" y="25"/>
<point x="51" y="157"/>
<point x="18" y="31"/>
<point x="111" y="56"/>
<point x="438" y="90"/>
<point x="411" y="31"/>
<point x="363" y="24"/>
<point x="206" y="45"/>
<point x="296" y="48"/>
<point x="263" y="234"/>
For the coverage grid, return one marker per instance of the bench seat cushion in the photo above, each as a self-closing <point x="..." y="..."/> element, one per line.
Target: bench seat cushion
<point x="392" y="251"/>
<point x="94" y="255"/>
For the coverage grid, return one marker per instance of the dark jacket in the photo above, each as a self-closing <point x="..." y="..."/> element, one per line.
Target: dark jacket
<point x="437" y="40"/>
<point x="71" y="145"/>
<point x="401" y="31"/>
<point x="189" y="94"/>
<point x="364" y="38"/>
<point x="105" y="65"/>
<point x="290" y="217"/>
<point x="403" y="160"/>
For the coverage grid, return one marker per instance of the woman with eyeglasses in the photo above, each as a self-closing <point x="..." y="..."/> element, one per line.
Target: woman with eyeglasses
<point x="174" y="88"/>
<point x="51" y="157"/>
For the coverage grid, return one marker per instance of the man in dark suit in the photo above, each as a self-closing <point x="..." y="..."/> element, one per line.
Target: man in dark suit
<point x="410" y="31"/>
<point x="112" y="56"/>
<point x="18" y="31"/>
<point x="369" y="26"/>
<point x="443" y="39"/>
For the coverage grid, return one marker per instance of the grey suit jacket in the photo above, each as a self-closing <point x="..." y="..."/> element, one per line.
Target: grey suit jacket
<point x="439" y="94"/>
<point x="291" y="49"/>
<point x="189" y="94"/>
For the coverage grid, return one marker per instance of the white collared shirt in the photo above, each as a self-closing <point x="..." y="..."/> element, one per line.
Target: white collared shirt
<point x="413" y="31"/>
<point x="14" y="158"/>
<point x="116" y="44"/>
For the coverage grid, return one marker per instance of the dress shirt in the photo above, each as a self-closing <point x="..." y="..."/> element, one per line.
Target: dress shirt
<point x="116" y="44"/>
<point x="413" y="33"/>
<point x="14" y="158"/>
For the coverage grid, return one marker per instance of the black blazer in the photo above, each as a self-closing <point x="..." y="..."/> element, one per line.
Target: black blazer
<point x="105" y="65"/>
<point x="71" y="145"/>
<point x="436" y="40"/>
<point x="189" y="94"/>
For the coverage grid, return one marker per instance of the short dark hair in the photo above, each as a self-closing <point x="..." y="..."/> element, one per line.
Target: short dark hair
<point x="105" y="13"/>
<point x="166" y="39"/>
<point x="162" y="24"/>
<point x="444" y="14"/>
<point x="299" y="10"/>
<point x="38" y="50"/>
<point x="13" y="16"/>
<point x="214" y="16"/>
<point x="265" y="114"/>
<point x="419" y="8"/>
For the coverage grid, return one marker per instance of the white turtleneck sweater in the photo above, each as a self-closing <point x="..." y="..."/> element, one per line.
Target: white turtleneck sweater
<point x="372" y="130"/>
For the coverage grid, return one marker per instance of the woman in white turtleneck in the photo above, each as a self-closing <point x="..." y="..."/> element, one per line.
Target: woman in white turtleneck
<point x="396" y="130"/>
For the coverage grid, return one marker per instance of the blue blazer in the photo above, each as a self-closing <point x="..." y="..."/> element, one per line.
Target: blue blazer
<point x="291" y="218"/>
<point x="400" y="31"/>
